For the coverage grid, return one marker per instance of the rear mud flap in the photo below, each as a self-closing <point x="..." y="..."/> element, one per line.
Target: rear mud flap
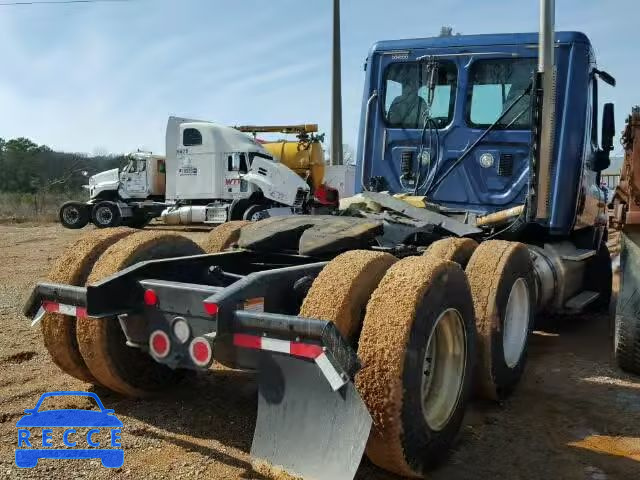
<point x="303" y="426"/>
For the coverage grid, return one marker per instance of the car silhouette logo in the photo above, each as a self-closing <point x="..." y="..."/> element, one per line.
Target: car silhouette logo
<point x="70" y="419"/>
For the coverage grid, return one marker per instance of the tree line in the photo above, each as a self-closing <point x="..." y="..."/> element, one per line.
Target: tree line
<point x="26" y="167"/>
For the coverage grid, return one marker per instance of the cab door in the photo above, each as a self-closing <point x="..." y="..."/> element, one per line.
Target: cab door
<point x="135" y="178"/>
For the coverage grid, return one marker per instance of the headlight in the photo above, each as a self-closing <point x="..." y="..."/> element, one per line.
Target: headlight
<point x="486" y="160"/>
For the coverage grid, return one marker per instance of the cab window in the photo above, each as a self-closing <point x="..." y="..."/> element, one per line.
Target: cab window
<point x="406" y="93"/>
<point x="191" y="137"/>
<point x="493" y="86"/>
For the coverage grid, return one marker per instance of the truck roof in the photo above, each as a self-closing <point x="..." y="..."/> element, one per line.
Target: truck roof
<point x="476" y="40"/>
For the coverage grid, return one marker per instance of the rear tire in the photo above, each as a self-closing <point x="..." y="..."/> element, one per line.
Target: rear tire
<point x="416" y="416"/>
<point x="224" y="236"/>
<point x="74" y="215"/>
<point x="106" y="214"/>
<point x="73" y="268"/>
<point x="501" y="277"/>
<point x="342" y="289"/>
<point x="102" y="343"/>
<point x="457" y="250"/>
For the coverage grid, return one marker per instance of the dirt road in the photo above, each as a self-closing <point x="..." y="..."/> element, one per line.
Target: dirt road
<point x="574" y="416"/>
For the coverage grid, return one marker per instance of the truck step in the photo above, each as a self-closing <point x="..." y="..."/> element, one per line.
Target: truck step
<point x="579" y="255"/>
<point x="580" y="301"/>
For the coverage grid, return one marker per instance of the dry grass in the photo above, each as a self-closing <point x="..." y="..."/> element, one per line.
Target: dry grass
<point x="26" y="207"/>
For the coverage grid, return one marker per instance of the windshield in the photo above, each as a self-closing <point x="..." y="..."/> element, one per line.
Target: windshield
<point x="405" y="97"/>
<point x="493" y="86"/>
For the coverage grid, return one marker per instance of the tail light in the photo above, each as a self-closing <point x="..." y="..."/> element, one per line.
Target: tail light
<point x="200" y="351"/>
<point x="211" y="308"/>
<point x="150" y="297"/>
<point x="159" y="344"/>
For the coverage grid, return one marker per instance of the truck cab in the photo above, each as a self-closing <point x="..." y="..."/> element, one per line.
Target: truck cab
<point x="450" y="119"/>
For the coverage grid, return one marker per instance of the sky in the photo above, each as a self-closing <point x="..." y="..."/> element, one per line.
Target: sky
<point x="104" y="77"/>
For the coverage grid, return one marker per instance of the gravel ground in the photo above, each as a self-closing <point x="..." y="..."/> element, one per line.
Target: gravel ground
<point x="574" y="416"/>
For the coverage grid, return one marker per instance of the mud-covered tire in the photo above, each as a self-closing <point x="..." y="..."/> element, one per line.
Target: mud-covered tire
<point x="224" y="236"/>
<point x="627" y="342"/>
<point x="599" y="278"/>
<point x="342" y="289"/>
<point x="106" y="214"/>
<point x="455" y="249"/>
<point x="417" y="297"/>
<point x="102" y="343"/>
<point x="73" y="268"/>
<point x="74" y="215"/>
<point x="500" y="270"/>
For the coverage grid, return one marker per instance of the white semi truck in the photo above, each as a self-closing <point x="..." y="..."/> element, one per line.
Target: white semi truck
<point x="211" y="174"/>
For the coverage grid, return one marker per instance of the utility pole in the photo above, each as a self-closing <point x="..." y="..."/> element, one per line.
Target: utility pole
<point x="336" y="91"/>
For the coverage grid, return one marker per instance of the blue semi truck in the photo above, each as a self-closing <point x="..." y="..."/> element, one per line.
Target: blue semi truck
<point x="479" y="211"/>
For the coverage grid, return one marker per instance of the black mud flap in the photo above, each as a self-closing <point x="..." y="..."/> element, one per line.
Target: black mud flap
<point x="305" y="427"/>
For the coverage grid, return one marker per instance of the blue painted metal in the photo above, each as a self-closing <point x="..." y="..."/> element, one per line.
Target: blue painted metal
<point x="471" y="187"/>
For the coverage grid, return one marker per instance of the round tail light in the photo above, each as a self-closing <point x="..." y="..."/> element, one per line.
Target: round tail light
<point x="159" y="344"/>
<point x="200" y="351"/>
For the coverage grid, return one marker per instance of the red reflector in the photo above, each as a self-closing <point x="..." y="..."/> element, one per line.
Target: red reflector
<point x="50" y="306"/>
<point x="211" y="308"/>
<point x="305" y="350"/>
<point x="200" y="351"/>
<point x="150" y="297"/>
<point x="247" y="341"/>
<point x="159" y="344"/>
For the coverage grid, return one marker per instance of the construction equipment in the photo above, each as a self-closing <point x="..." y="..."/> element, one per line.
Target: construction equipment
<point x="626" y="217"/>
<point x="216" y="173"/>
<point x="369" y="330"/>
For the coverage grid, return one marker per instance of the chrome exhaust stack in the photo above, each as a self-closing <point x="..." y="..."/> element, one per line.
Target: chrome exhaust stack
<point x="547" y="76"/>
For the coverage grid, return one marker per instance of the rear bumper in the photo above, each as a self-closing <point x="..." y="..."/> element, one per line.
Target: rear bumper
<point x="238" y="333"/>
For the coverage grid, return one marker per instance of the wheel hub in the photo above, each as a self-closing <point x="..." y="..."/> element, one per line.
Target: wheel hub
<point x="104" y="215"/>
<point x="516" y="322"/>
<point x="71" y="215"/>
<point x="443" y="369"/>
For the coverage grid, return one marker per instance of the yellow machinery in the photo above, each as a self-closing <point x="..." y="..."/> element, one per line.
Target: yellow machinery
<point x="304" y="156"/>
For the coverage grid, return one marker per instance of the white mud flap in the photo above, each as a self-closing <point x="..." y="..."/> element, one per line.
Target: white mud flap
<point x="305" y="427"/>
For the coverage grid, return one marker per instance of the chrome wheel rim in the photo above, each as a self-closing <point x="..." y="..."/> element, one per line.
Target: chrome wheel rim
<point x="71" y="215"/>
<point x="104" y="215"/>
<point x="516" y="323"/>
<point x="443" y="369"/>
<point x="261" y="215"/>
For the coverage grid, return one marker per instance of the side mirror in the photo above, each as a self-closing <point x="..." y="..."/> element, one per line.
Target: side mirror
<point x="602" y="160"/>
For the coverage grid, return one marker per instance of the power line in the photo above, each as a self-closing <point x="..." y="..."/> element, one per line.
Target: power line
<point x="58" y="2"/>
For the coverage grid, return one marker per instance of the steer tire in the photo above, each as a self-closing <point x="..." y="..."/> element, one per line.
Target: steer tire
<point x="494" y="270"/>
<point x="412" y="306"/>
<point x="342" y="289"/>
<point x="74" y="215"/>
<point x="224" y="236"/>
<point x="73" y="268"/>
<point x="457" y="250"/>
<point x="124" y="369"/>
